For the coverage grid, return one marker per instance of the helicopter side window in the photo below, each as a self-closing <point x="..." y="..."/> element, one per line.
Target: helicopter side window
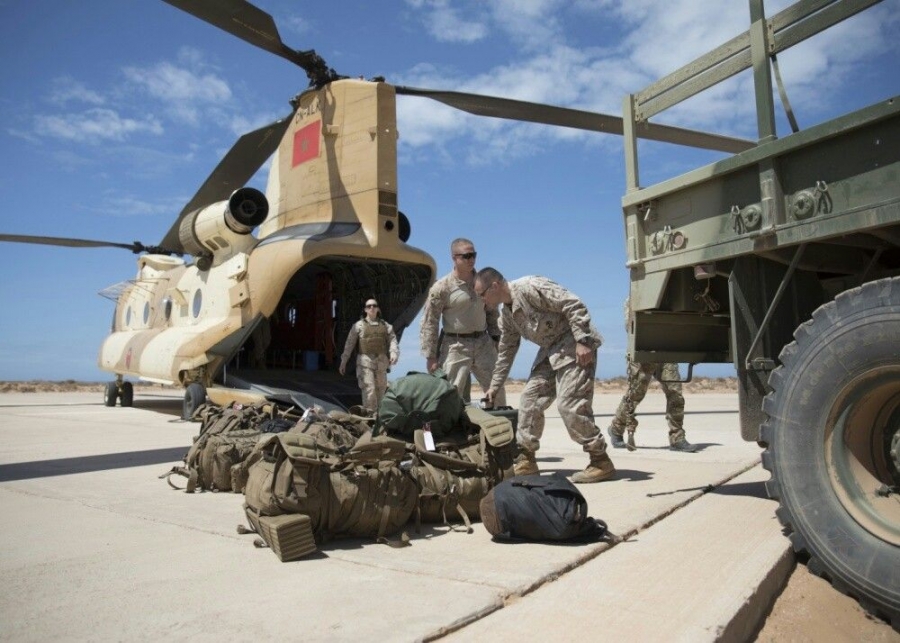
<point x="198" y="303"/>
<point x="128" y="316"/>
<point x="167" y="308"/>
<point x="146" y="312"/>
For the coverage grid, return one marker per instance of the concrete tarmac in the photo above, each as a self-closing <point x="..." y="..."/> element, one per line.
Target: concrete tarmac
<point x="95" y="546"/>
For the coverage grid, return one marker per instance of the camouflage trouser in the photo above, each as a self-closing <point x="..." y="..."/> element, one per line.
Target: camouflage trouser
<point x="466" y="356"/>
<point x="573" y="388"/>
<point x="371" y="375"/>
<point x="639" y="377"/>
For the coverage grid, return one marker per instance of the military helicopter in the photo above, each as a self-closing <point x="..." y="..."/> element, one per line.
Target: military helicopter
<point x="233" y="316"/>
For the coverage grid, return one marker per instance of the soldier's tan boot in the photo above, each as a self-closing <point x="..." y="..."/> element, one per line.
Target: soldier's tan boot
<point x="525" y="464"/>
<point x="600" y="468"/>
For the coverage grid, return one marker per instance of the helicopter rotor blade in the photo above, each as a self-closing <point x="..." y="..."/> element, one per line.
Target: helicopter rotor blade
<point x="518" y="110"/>
<point x="234" y="170"/>
<point x="135" y="247"/>
<point x="253" y="25"/>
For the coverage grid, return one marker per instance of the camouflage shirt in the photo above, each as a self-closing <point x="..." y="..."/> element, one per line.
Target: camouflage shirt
<point x="547" y="314"/>
<point x="453" y="300"/>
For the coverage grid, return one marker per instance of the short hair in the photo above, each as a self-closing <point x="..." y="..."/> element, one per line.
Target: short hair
<point x="489" y="275"/>
<point x="460" y="241"/>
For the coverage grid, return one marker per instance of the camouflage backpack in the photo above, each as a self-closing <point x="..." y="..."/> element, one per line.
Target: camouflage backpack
<point x="457" y="473"/>
<point x="346" y="491"/>
<point x="227" y="437"/>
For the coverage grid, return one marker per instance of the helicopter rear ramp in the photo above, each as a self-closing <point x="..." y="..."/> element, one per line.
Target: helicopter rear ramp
<point x="303" y="389"/>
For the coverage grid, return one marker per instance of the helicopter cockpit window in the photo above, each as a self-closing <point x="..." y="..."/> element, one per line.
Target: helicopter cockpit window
<point x="198" y="303"/>
<point x="146" y="313"/>
<point x="167" y="308"/>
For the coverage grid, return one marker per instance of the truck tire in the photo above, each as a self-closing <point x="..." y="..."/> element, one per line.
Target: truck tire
<point x="832" y="416"/>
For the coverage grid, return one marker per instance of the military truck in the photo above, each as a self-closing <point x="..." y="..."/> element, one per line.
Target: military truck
<point x="784" y="259"/>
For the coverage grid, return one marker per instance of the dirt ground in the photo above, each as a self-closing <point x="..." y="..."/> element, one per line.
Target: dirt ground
<point x="808" y="608"/>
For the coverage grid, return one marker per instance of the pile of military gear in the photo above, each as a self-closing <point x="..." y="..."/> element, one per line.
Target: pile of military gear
<point x="341" y="475"/>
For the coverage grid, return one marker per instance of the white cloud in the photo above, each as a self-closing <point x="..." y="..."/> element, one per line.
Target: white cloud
<point x="66" y="89"/>
<point x="183" y="88"/>
<point x="653" y="39"/>
<point x="296" y="24"/>
<point x="93" y="126"/>
<point x="531" y="24"/>
<point x="131" y="206"/>
<point x="445" y="21"/>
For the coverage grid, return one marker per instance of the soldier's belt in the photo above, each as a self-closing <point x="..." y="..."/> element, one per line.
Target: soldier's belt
<point x="465" y="335"/>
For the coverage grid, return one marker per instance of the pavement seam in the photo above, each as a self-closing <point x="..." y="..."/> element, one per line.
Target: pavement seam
<point x="593" y="552"/>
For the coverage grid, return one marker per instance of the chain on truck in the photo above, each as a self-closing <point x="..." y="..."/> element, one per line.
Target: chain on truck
<point x="784" y="259"/>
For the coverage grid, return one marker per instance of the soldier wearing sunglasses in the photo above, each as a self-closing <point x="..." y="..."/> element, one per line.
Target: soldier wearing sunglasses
<point x="467" y="343"/>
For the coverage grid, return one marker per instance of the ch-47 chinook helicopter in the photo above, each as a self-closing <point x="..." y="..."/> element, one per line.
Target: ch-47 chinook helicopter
<point x="233" y="316"/>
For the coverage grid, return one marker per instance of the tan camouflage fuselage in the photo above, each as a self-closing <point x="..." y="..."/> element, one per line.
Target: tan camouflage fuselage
<point x="332" y="193"/>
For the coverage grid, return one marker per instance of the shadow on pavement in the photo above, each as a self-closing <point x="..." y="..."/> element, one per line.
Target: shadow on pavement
<point x="663" y="413"/>
<point x="89" y="463"/>
<point x="621" y="474"/>
<point x="698" y="447"/>
<point x="748" y="489"/>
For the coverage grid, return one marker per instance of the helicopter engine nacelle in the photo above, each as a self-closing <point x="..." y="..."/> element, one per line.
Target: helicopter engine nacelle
<point x="223" y="228"/>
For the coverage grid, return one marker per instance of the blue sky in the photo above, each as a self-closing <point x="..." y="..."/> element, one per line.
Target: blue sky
<point x="114" y="112"/>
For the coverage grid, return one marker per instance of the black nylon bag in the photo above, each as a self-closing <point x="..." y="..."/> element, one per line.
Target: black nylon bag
<point x="542" y="508"/>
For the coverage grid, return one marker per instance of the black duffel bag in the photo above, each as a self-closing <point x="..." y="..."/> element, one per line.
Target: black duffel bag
<point x="542" y="508"/>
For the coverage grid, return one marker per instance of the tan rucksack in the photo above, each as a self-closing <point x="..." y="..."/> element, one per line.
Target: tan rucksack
<point x="346" y="492"/>
<point x="459" y="471"/>
<point x="227" y="437"/>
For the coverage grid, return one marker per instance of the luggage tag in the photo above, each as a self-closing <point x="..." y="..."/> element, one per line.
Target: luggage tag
<point x="429" y="438"/>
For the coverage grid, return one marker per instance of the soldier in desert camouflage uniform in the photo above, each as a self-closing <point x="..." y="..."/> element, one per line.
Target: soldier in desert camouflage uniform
<point x="555" y="319"/>
<point x="378" y="349"/>
<point x="467" y="345"/>
<point x="639" y="378"/>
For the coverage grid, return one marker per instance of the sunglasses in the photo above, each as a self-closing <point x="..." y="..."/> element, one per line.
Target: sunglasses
<point x="371" y="305"/>
<point x="481" y="294"/>
<point x="466" y="255"/>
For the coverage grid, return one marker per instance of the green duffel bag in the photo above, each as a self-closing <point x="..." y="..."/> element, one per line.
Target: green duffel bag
<point x="418" y="399"/>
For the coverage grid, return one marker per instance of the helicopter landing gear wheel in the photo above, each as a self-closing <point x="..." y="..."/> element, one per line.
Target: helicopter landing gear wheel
<point x="833" y="417"/>
<point x="126" y="394"/>
<point x="110" y="393"/>
<point x="194" y="396"/>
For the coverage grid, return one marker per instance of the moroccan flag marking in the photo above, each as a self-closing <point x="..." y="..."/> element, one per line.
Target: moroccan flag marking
<point x="306" y="143"/>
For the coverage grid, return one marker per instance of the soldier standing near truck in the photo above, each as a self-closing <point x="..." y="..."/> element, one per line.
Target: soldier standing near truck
<point x="639" y="377"/>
